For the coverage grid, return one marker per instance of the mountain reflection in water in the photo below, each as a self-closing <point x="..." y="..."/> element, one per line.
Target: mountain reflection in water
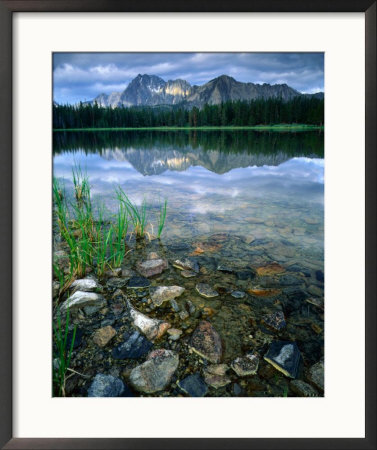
<point x="239" y="182"/>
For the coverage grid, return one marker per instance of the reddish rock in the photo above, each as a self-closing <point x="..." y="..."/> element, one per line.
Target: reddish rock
<point x="206" y="342"/>
<point x="151" y="267"/>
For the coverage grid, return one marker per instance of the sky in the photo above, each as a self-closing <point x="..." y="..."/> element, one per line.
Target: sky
<point x="83" y="76"/>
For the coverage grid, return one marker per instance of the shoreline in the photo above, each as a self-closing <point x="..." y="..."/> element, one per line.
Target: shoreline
<point x="281" y="127"/>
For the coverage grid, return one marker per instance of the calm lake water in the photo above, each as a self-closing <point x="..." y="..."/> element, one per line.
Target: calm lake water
<point x="240" y="199"/>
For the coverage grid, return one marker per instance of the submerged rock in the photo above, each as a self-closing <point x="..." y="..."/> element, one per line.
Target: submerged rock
<point x="174" y="305"/>
<point x="285" y="357"/>
<point x="193" y="385"/>
<point x="155" y="373"/>
<point x="216" y="381"/>
<point x="318" y="302"/>
<point x="246" y="274"/>
<point x="224" y="269"/>
<point x="104" y="335"/>
<point x="316" y="375"/>
<point x="270" y="269"/>
<point x="303" y="389"/>
<point x="116" y="283"/>
<point x="238" y="294"/>
<point x="134" y="346"/>
<point x="206" y="342"/>
<point x="174" y="334"/>
<point x="152" y="267"/>
<point x="151" y="328"/>
<point x="81" y="299"/>
<point x="246" y="365"/>
<point x="217" y="369"/>
<point x="138" y="283"/>
<point x="276" y="320"/>
<point x="85" y="285"/>
<point x="205" y="290"/>
<point x="188" y="273"/>
<point x="186" y="264"/>
<point x="106" y="386"/>
<point x="163" y="294"/>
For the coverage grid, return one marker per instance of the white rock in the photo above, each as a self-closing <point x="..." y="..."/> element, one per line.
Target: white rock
<point x="151" y="328"/>
<point x="164" y="293"/>
<point x="81" y="299"/>
<point x="85" y="285"/>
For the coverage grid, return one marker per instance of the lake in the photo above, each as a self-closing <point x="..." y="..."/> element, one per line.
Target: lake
<point x="248" y="206"/>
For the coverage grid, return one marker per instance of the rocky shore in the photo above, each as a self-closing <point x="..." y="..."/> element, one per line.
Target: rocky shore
<point x="176" y="321"/>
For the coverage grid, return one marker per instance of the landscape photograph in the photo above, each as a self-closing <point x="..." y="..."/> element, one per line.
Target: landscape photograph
<point x="188" y="225"/>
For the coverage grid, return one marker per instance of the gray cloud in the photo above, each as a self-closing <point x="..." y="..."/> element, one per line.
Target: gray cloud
<point x="82" y="76"/>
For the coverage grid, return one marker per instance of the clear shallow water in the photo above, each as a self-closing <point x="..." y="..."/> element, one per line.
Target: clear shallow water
<point x="276" y="194"/>
<point x="240" y="199"/>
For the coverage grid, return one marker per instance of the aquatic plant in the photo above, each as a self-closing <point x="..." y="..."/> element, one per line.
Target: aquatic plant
<point x="120" y="233"/>
<point x="63" y="354"/>
<point x="137" y="214"/>
<point x="162" y="217"/>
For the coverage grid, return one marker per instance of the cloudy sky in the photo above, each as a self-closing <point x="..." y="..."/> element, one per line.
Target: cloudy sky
<point x="82" y="76"/>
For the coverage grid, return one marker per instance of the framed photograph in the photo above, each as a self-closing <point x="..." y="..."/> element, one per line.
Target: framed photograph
<point x="188" y="227"/>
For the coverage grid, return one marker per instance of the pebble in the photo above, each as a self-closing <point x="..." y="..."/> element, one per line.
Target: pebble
<point x="206" y="342"/>
<point x="224" y="269"/>
<point x="174" y="334"/>
<point x="216" y="381"/>
<point x="246" y="365"/>
<point x="186" y="264"/>
<point x="183" y="315"/>
<point x="151" y="267"/>
<point x="104" y="335"/>
<point x="285" y="357"/>
<point x="106" y="386"/>
<point x="303" y="389"/>
<point x="193" y="385"/>
<point x="138" y="283"/>
<point x="276" y="320"/>
<point x="238" y="294"/>
<point x="155" y="373"/>
<point x="174" y="305"/>
<point x="151" y="328"/>
<point x="162" y="294"/>
<point x="205" y="290"/>
<point x="188" y="274"/>
<point x="85" y="285"/>
<point x="134" y="346"/>
<point x="316" y="375"/>
<point x="81" y="299"/>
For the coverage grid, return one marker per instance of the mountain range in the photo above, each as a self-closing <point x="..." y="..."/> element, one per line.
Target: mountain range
<point x="151" y="90"/>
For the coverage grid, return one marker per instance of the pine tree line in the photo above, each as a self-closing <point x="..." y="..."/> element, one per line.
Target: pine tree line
<point x="300" y="110"/>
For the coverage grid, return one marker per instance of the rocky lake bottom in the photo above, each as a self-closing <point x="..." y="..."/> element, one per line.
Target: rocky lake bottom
<point x="229" y="302"/>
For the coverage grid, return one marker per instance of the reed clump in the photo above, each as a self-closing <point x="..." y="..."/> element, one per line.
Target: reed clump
<point x="94" y="243"/>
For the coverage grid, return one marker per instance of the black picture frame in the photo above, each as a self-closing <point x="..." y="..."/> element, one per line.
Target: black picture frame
<point x="7" y="8"/>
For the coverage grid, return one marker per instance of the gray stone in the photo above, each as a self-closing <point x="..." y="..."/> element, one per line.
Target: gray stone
<point x="275" y="320"/>
<point x="134" y="346"/>
<point x="205" y="290"/>
<point x="163" y="294"/>
<point x="216" y="381"/>
<point x="303" y="389"/>
<point x="193" y="385"/>
<point x="106" y="386"/>
<point x="190" y="306"/>
<point x="116" y="283"/>
<point x="85" y="285"/>
<point x="246" y="365"/>
<point x="188" y="274"/>
<point x="183" y="315"/>
<point x="152" y="267"/>
<point x="155" y="374"/>
<point x="238" y="294"/>
<point x="174" y="305"/>
<point x="285" y="357"/>
<point x="174" y="334"/>
<point x="224" y="269"/>
<point x="186" y="264"/>
<point x="81" y="299"/>
<point x="138" y="283"/>
<point x="316" y="375"/>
